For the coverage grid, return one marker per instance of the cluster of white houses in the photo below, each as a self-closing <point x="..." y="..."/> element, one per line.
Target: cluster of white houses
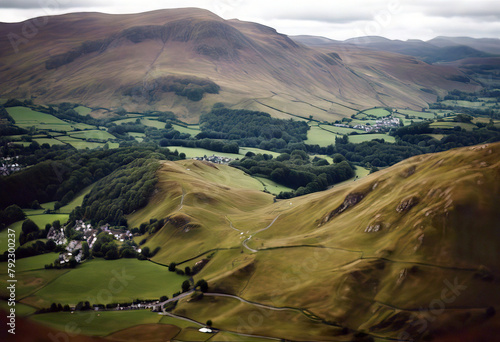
<point x="8" y="165"/>
<point x="380" y="125"/>
<point x="89" y="235"/>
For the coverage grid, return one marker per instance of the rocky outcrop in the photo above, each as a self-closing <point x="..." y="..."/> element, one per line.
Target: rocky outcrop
<point x="407" y="204"/>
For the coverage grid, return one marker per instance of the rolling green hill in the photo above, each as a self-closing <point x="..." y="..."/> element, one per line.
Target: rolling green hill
<point x="412" y="244"/>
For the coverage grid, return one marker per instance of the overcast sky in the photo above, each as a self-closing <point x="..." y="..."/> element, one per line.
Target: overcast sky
<point x="394" y="19"/>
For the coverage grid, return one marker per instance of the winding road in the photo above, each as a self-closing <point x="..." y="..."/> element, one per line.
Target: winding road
<point x="244" y="243"/>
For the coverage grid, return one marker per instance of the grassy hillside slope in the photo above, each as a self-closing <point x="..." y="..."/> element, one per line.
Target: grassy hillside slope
<point x="410" y="251"/>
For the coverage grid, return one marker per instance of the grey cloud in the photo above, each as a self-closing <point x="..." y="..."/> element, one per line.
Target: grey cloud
<point x="62" y="4"/>
<point x="457" y="8"/>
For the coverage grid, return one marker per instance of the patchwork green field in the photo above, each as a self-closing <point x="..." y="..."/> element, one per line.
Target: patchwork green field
<point x="92" y="134"/>
<point x="49" y="141"/>
<point x="122" y="121"/>
<point x="28" y="282"/>
<point x="451" y="125"/>
<point x="27" y="117"/>
<point x="321" y="137"/>
<point x="272" y="186"/>
<point x="192" y="129"/>
<point x="139" y="137"/>
<point x="105" y="281"/>
<point x="469" y="104"/>
<point x="378" y="112"/>
<point x="82" y="110"/>
<point x="355" y="122"/>
<point x="339" y="130"/>
<point x="356" y="139"/>
<point x="80" y="144"/>
<point x="414" y="113"/>
<point x="31" y="263"/>
<point x="152" y="122"/>
<point x="98" y="323"/>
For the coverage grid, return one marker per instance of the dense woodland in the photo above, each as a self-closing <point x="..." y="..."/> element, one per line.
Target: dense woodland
<point x="58" y="173"/>
<point x="295" y="170"/>
<point x="238" y="124"/>
<point x="120" y="193"/>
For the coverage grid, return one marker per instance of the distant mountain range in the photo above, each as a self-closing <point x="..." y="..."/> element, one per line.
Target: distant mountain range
<point x="439" y="49"/>
<point x="186" y="60"/>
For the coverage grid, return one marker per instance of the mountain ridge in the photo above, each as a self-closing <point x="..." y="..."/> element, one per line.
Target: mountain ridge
<point x="256" y="67"/>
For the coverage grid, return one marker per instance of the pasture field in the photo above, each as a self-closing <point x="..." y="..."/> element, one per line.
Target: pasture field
<point x="272" y="186"/>
<point x="318" y="136"/>
<point x="339" y="130"/>
<point x="130" y="120"/>
<point x="82" y="126"/>
<point x="422" y="115"/>
<point x="27" y="117"/>
<point x="31" y="263"/>
<point x="21" y="309"/>
<point x="112" y="145"/>
<point x="356" y="139"/>
<point x="451" y="125"/>
<point x="363" y="122"/>
<point x="193" y="130"/>
<point x="137" y="136"/>
<point x="92" y="134"/>
<point x="97" y="323"/>
<point x="79" y="144"/>
<point x="468" y="104"/>
<point x="29" y="282"/>
<point x="49" y="141"/>
<point x="361" y="116"/>
<point x="378" y="112"/>
<point x="15" y="137"/>
<point x="3" y="235"/>
<point x="82" y="110"/>
<point x="40" y="219"/>
<point x="93" y="280"/>
<point x="152" y="122"/>
<point x="43" y="219"/>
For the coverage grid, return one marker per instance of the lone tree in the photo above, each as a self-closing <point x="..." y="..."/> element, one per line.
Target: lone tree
<point x="209" y="323"/>
<point x="185" y="286"/>
<point x="202" y="283"/>
<point x="172" y="266"/>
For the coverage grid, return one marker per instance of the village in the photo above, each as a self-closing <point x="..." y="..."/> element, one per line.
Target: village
<point x="382" y="125"/>
<point x="8" y="166"/>
<point x="74" y="247"/>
